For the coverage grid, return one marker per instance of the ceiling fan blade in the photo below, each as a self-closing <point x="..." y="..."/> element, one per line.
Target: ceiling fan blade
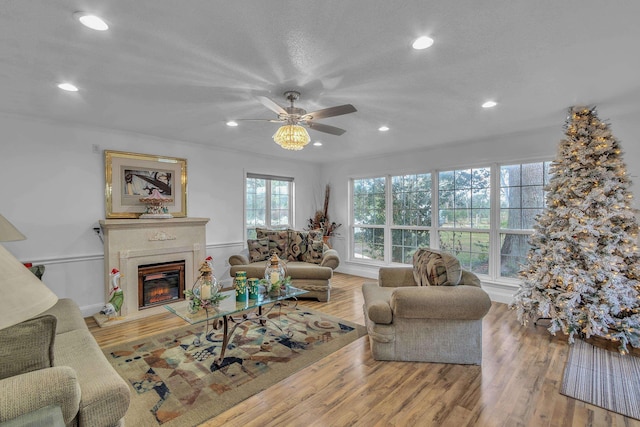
<point x="325" y="128"/>
<point x="260" y="120"/>
<point x="270" y="104"/>
<point x="330" y="112"/>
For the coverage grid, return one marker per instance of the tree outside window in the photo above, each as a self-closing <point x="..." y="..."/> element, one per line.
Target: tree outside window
<point x="522" y="198"/>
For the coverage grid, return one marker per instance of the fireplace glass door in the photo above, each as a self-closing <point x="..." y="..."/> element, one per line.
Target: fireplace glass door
<point x="160" y="283"/>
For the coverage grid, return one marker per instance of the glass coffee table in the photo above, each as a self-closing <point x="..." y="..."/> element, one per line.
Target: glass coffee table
<point x="237" y="312"/>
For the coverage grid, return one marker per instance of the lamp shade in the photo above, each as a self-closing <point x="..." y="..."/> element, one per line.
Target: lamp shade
<point x="8" y="232"/>
<point x="23" y="295"/>
<point x="291" y="137"/>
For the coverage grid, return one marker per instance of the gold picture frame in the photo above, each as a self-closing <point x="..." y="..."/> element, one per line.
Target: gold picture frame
<point x="132" y="176"/>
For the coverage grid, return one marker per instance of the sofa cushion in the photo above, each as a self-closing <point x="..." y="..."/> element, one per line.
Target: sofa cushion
<point x="105" y="395"/>
<point x="258" y="249"/>
<point x="27" y="346"/>
<point x="435" y="268"/>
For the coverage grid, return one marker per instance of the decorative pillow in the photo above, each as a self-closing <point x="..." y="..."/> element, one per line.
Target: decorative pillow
<point x="27" y="346"/>
<point x="261" y="233"/>
<point x="315" y="252"/>
<point x="258" y="249"/>
<point x="278" y="240"/>
<point x="435" y="268"/>
<point x="298" y="245"/>
<point x="316" y="234"/>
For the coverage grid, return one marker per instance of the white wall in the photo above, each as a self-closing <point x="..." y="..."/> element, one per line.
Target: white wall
<point x="540" y="144"/>
<point x="52" y="189"/>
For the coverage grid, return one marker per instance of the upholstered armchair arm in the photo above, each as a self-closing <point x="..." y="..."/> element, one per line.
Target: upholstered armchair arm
<point x="470" y="279"/>
<point x="440" y="302"/>
<point x="330" y="258"/>
<point x="24" y="393"/>
<point x="238" y="260"/>
<point x="396" y="276"/>
<point x="376" y="303"/>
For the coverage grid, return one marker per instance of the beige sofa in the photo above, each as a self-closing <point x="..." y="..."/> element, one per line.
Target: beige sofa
<point x="81" y="380"/>
<point x="441" y="324"/>
<point x="306" y="259"/>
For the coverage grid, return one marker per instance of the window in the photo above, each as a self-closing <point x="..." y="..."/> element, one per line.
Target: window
<point x="268" y="203"/>
<point x="369" y="218"/>
<point x="464" y="208"/>
<point x="411" y="195"/>
<point x="394" y="215"/>
<point x="522" y="197"/>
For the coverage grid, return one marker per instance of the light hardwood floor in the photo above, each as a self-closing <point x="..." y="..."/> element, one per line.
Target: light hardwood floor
<point x="517" y="385"/>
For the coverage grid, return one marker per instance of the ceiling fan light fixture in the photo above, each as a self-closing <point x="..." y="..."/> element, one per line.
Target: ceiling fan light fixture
<point x="291" y="137"/>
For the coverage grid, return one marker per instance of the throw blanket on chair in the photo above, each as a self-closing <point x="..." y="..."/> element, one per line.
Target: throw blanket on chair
<point x="435" y="268"/>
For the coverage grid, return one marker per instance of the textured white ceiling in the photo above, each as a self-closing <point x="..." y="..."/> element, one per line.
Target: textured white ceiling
<point x="181" y="69"/>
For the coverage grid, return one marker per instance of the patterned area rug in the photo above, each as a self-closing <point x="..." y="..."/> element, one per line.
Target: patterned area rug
<point x="603" y="378"/>
<point x="174" y="383"/>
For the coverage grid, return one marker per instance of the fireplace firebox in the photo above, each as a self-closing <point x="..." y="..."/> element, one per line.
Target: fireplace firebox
<point x="160" y="283"/>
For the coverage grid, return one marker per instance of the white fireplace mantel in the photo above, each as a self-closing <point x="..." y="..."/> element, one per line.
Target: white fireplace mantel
<point x="129" y="243"/>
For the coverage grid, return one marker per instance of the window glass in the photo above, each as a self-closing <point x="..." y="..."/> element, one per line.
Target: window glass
<point x="522" y="199"/>
<point x="464" y="215"/>
<point x="268" y="203"/>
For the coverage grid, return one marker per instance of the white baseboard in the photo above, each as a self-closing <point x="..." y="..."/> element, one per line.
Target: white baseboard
<point x="90" y="310"/>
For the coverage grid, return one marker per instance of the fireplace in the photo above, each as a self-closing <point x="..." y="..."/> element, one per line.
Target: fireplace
<point x="133" y="243"/>
<point x="161" y="283"/>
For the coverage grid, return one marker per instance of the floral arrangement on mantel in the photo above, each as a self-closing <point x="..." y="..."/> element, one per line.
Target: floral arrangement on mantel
<point x="205" y="292"/>
<point x="321" y="218"/>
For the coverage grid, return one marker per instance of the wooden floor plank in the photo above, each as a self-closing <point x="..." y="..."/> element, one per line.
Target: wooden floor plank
<point x="517" y="385"/>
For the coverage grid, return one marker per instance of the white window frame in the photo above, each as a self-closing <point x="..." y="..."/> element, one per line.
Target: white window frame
<point x="269" y="178"/>
<point x="493" y="231"/>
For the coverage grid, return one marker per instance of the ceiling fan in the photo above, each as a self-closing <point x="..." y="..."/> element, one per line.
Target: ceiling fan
<point x="292" y="135"/>
<point x="298" y="116"/>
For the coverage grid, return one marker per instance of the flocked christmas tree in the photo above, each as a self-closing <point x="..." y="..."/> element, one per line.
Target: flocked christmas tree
<point x="583" y="267"/>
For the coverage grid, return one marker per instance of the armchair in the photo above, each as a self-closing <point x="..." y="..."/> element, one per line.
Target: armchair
<point x="441" y="324"/>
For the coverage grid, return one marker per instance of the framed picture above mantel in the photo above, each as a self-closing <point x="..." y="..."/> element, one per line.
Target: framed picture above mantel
<point x="132" y="176"/>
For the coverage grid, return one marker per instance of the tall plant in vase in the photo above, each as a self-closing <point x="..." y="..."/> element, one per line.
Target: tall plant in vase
<point x="321" y="219"/>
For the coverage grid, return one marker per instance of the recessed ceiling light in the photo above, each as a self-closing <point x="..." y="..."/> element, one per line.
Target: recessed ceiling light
<point x="232" y="123"/>
<point x="383" y="128"/>
<point x="68" y="87"/>
<point x="91" y="21"/>
<point x="489" y="104"/>
<point x="422" y="43"/>
<point x="317" y="144"/>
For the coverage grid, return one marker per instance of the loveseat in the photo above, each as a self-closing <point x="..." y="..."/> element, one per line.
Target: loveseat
<point x="58" y="362"/>
<point x="411" y="319"/>
<point x="306" y="259"/>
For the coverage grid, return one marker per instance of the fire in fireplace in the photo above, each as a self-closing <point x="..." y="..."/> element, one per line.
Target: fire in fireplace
<point x="160" y="283"/>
